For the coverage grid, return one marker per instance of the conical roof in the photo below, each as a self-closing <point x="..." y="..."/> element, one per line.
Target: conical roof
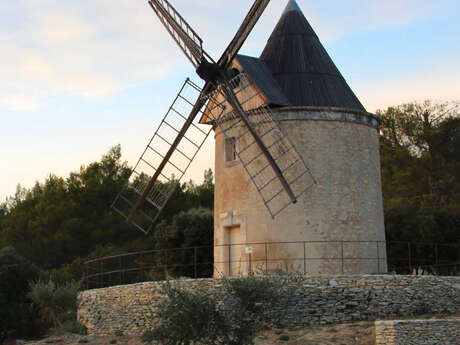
<point x="302" y="67"/>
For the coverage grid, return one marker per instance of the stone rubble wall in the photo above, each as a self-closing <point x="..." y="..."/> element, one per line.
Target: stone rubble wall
<point x="316" y="300"/>
<point x="418" y="332"/>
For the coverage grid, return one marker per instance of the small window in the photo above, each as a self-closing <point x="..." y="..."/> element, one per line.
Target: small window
<point x="230" y="152"/>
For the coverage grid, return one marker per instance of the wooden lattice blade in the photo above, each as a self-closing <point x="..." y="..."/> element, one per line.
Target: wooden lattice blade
<point x="243" y="32"/>
<point x="182" y="33"/>
<point x="165" y="160"/>
<point x="257" y="139"/>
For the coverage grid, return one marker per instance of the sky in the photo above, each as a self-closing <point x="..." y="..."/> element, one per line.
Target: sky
<point x="78" y="77"/>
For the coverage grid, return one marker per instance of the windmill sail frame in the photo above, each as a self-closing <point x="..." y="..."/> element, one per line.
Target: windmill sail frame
<point x="149" y="179"/>
<point x="218" y="78"/>
<point x="186" y="38"/>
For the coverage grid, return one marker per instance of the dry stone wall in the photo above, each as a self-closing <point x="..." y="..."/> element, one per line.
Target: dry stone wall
<point x="315" y="301"/>
<point x="418" y="332"/>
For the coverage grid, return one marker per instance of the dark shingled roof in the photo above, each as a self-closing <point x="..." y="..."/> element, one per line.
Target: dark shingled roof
<point x="258" y="71"/>
<point x="302" y="67"/>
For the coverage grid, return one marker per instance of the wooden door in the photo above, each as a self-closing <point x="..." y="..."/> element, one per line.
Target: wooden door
<point x="236" y="247"/>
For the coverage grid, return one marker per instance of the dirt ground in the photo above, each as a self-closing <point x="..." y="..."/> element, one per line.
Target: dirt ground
<point x="359" y="333"/>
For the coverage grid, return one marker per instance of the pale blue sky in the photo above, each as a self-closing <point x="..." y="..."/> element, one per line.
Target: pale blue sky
<point x="79" y="76"/>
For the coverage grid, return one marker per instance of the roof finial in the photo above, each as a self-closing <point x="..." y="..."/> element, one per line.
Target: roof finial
<point x="292" y="6"/>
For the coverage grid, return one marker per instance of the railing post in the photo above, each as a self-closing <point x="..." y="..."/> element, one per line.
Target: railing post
<point x="436" y="254"/>
<point x="387" y="255"/>
<point x="102" y="275"/>
<point x="194" y="262"/>
<point x="266" y="258"/>
<point x="410" y="257"/>
<point x="342" y="255"/>
<point x="458" y="253"/>
<point x="86" y="275"/>
<point x="378" y="258"/>
<point x="166" y="264"/>
<point x="304" y="258"/>
<point x="141" y="261"/>
<point x="121" y="271"/>
<point x="229" y="260"/>
<point x="250" y="265"/>
<point x="458" y="256"/>
<point x="213" y="260"/>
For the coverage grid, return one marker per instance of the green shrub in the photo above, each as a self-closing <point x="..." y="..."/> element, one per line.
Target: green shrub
<point x="270" y="292"/>
<point x="59" y="301"/>
<point x="148" y="336"/>
<point x="230" y="317"/>
<point x="253" y="292"/>
<point x="188" y="317"/>
<point x="67" y="272"/>
<point x="73" y="326"/>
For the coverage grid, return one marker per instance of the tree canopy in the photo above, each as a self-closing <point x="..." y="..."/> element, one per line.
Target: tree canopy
<point x="15" y="310"/>
<point x="420" y="158"/>
<point x="62" y="219"/>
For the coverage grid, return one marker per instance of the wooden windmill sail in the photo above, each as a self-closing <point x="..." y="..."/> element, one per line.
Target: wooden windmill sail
<point x="229" y="100"/>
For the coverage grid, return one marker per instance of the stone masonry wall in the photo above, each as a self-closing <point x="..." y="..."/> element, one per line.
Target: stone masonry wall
<point x="316" y="301"/>
<point x="417" y="332"/>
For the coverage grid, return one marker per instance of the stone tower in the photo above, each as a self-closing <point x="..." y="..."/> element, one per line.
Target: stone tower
<point x="337" y="225"/>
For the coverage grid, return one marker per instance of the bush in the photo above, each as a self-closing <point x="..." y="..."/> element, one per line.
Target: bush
<point x="188" y="317"/>
<point x="231" y="317"/>
<point x="253" y="292"/>
<point x="68" y="272"/>
<point x="73" y="326"/>
<point x="59" y="301"/>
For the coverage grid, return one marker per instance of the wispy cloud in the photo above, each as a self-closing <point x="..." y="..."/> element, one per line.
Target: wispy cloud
<point x="92" y="49"/>
<point x="335" y="19"/>
<point x="84" y="49"/>
<point x="19" y="102"/>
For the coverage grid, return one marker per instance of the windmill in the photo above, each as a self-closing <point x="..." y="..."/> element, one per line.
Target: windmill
<point x="228" y="100"/>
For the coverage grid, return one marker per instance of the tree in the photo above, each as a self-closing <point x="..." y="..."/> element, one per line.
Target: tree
<point x="64" y="218"/>
<point x="188" y="229"/>
<point x="16" y="313"/>
<point x="420" y="159"/>
<point x="205" y="191"/>
<point x="414" y="131"/>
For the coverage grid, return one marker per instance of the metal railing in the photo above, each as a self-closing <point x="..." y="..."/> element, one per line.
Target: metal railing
<point x="342" y="257"/>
